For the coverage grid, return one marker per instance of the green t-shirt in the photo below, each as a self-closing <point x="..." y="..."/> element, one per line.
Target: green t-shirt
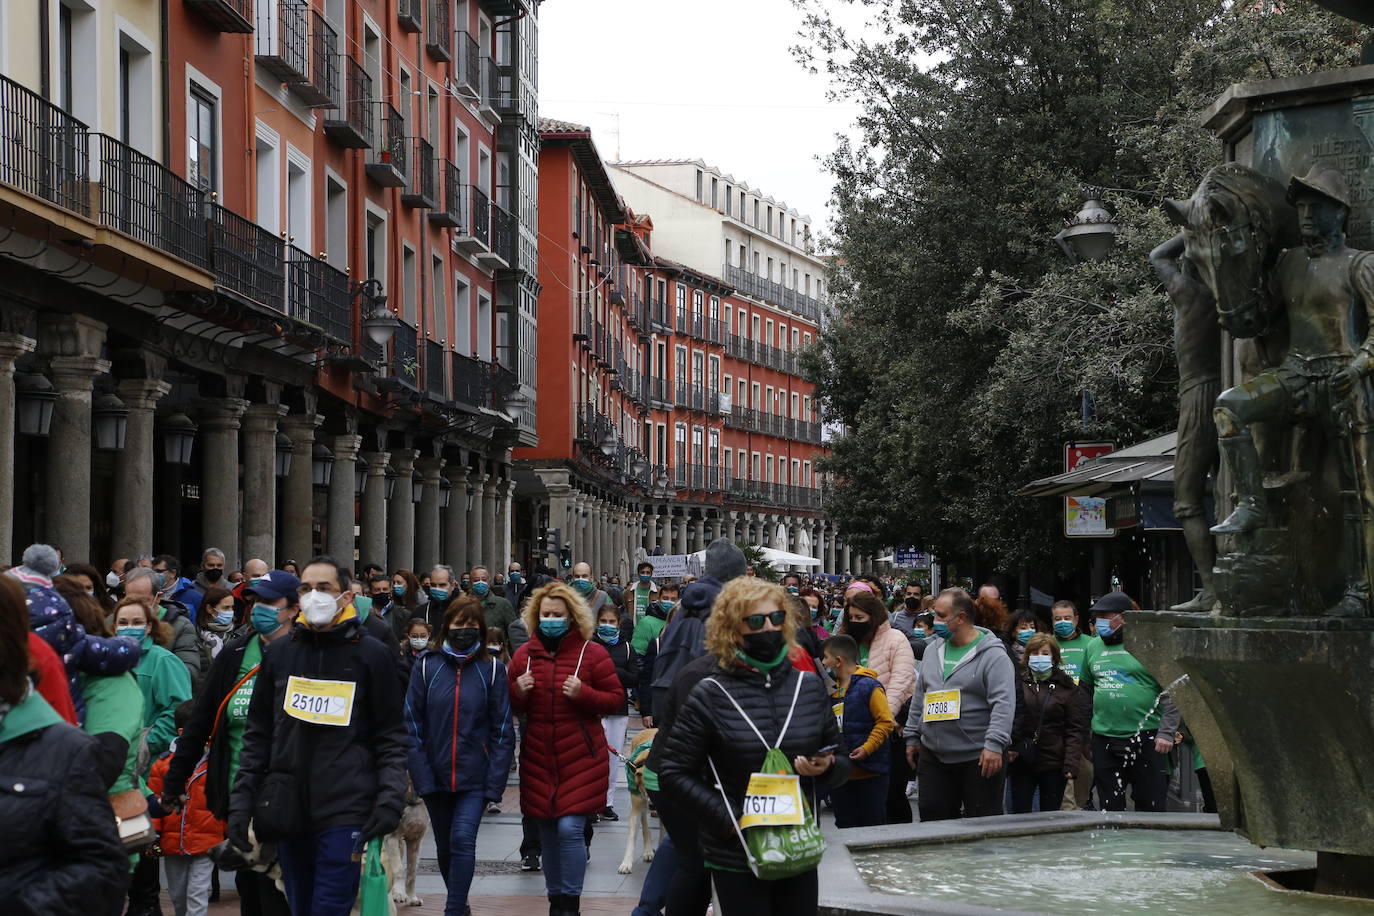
<point x="1124" y="692"/>
<point x="955" y="654"/>
<point x="1072" y="652"/>
<point x="643" y="595"/>
<point x="236" y="710"/>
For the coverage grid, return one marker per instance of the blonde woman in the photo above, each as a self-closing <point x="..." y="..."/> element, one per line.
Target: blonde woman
<point x="753" y="686"/>
<point x="563" y="682"/>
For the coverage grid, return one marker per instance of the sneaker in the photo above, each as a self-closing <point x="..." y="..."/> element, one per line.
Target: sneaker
<point x="529" y="863"/>
<point x="493" y="808"/>
<point x="911" y="789"/>
<point x="608" y="814"/>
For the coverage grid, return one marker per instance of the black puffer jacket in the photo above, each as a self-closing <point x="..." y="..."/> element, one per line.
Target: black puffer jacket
<point x="1051" y="731"/>
<point x="626" y="662"/>
<point x="709" y="726"/>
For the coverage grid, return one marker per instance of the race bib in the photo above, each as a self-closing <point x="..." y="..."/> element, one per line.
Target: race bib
<point x="319" y="702"/>
<point x="941" y="706"/>
<point x="838" y="709"/>
<point x="771" y="800"/>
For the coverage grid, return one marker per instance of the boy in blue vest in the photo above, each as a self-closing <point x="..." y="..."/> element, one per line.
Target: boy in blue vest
<point x="866" y="724"/>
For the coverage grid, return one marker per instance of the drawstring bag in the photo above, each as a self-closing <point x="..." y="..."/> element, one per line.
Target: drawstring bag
<point x="374" y="896"/>
<point x="777" y="825"/>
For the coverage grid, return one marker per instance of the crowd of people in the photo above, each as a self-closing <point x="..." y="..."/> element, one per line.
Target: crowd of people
<point x="156" y="729"/>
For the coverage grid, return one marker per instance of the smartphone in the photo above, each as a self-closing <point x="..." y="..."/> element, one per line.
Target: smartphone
<point x="828" y="749"/>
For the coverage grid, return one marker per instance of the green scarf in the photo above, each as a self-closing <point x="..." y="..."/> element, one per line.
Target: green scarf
<point x="765" y="667"/>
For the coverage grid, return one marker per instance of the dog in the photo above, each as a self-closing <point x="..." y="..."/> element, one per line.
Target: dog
<point x="401" y="851"/>
<point x="639" y="800"/>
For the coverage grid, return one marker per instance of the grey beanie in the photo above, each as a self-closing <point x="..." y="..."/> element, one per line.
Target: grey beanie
<point x="42" y="559"/>
<point x="724" y="560"/>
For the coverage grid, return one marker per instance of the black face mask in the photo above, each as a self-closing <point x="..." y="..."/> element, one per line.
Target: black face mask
<point x="1116" y="638"/>
<point x="462" y="639"/>
<point x="213" y="575"/>
<point x="913" y="604"/>
<point x="763" y="646"/>
<point x="858" y="630"/>
<point x="382" y="600"/>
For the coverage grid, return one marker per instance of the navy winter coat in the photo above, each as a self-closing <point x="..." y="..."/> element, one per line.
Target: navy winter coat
<point x="458" y="715"/>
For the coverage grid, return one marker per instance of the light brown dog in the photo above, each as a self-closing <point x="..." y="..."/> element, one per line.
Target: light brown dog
<point x="401" y="851"/>
<point x="639" y="801"/>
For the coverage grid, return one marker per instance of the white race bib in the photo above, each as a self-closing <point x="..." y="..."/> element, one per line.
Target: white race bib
<point x="941" y="706"/>
<point x="771" y="800"/>
<point x="319" y="702"/>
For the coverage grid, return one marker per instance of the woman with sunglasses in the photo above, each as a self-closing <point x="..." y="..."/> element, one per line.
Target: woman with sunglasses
<point x="755" y="699"/>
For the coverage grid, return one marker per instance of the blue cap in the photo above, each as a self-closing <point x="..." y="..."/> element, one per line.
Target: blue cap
<point x="277" y="584"/>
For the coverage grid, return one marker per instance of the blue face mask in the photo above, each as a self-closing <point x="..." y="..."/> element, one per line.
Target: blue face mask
<point x="398" y="590"/>
<point x="1023" y="636"/>
<point x="480" y="589"/>
<point x="224" y="618"/>
<point x="516" y="578"/>
<point x="1040" y="663"/>
<point x="608" y="632"/>
<point x="645" y="579"/>
<point x="134" y="633"/>
<point x="363" y="605"/>
<point x="254" y="581"/>
<point x="264" y="619"/>
<point x="942" y="629"/>
<point x="583" y="586"/>
<point x="1064" y="628"/>
<point x="553" y="626"/>
<point x="1103" y="626"/>
<point x="439" y="594"/>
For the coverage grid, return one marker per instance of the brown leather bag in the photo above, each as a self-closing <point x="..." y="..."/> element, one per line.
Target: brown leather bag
<point x="131" y="817"/>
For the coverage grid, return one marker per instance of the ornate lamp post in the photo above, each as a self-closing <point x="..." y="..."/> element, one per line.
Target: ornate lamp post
<point x="111" y="422"/>
<point x="1090" y="234"/>
<point x="34" y="397"/>
<point x="178" y="437"/>
<point x="321" y="465"/>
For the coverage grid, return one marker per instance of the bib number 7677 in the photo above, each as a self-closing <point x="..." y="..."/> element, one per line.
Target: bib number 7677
<point x="771" y="800"/>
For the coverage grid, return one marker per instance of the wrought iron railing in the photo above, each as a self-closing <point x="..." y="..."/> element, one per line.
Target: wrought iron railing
<point x="320" y="90"/>
<point x="43" y="150"/>
<point x="225" y="15"/>
<point x="143" y="199"/>
<point x="422" y="188"/>
<point x="467" y="69"/>
<point x="283" y="40"/>
<point x="351" y="125"/>
<point x="246" y="258"/>
<point x="503" y="234"/>
<point x="434" y="369"/>
<point x="438" y="37"/>
<point x="472" y="380"/>
<point x="448" y="209"/>
<point x="491" y="83"/>
<point x="389" y="152"/>
<point x="319" y="293"/>
<point x="405" y="355"/>
<point x="409" y="14"/>
<point x="504" y="384"/>
<point x="762" y="288"/>
<point x="479" y="215"/>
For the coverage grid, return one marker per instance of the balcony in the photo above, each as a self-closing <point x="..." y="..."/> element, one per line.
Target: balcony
<point x="43" y="150"/>
<point x="448" y="210"/>
<point x="225" y="15"/>
<point x="762" y="288"/>
<point x="319" y="294"/>
<point x="490" y="88"/>
<point x="283" y="39"/>
<point x="438" y="38"/>
<point x="467" y="66"/>
<point x="424" y="178"/>
<point x="247" y="259"/>
<point x="409" y="14"/>
<point x="321" y="89"/>
<point x="144" y="200"/>
<point x="386" y="162"/>
<point x="502" y="253"/>
<point x="505" y="384"/>
<point x="405" y="357"/>
<point x="471" y="381"/>
<point x="475" y="236"/>
<point x="434" y="370"/>
<point x="660" y="317"/>
<point x="660" y="393"/>
<point x="351" y="126"/>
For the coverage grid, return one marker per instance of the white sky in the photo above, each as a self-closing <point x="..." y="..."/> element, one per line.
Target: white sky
<point x="713" y="80"/>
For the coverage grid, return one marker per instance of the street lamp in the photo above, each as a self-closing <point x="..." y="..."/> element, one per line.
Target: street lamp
<point x="110" y="419"/>
<point x="391" y="476"/>
<point x="34" y="396"/>
<point x="379" y="322"/>
<point x="178" y="435"/>
<point x="472" y="491"/>
<point x="417" y="489"/>
<point x="284" y="447"/>
<point x="1090" y="234"/>
<point x="359" y="476"/>
<point x="637" y="466"/>
<point x="321" y="465"/>
<point x="445" y="492"/>
<point x="608" y="443"/>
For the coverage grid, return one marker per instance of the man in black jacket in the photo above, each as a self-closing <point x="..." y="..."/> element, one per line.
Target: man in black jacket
<point x="322" y="769"/>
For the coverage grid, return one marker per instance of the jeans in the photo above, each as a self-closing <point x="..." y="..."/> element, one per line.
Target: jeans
<point x="689" y="892"/>
<point x="454" y="819"/>
<point x="741" y="894"/>
<point x="1134" y="762"/>
<point x="258" y="894"/>
<point x="565" y="855"/>
<point x="615" y="728"/>
<point x="188" y="883"/>
<point x="653" y="896"/>
<point x="952" y="790"/>
<point x="321" y="871"/>
<point x="1024" y="781"/>
<point x="861" y="802"/>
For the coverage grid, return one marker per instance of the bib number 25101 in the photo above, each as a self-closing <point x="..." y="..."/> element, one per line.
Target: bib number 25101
<point x="319" y="702"/>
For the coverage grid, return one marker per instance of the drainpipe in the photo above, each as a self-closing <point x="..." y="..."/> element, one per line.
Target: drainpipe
<point x="44" y="51"/>
<point x="166" y="94"/>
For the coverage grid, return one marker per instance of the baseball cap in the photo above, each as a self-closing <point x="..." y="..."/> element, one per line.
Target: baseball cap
<point x="277" y="584"/>
<point x="1112" y="603"/>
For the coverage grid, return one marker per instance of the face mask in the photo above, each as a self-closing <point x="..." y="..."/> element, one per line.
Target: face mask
<point x="912" y="604"/>
<point x="136" y="633"/>
<point x="1064" y="628"/>
<point x="1103" y="627"/>
<point x="465" y="583"/>
<point x="438" y="594"/>
<point x="1023" y="636"/>
<point x="224" y="618"/>
<point x="763" y="646"/>
<point x="112" y="579"/>
<point x="418" y="642"/>
<point x="264" y="619"/>
<point x="480" y="589"/>
<point x="858" y="629"/>
<point x="319" y="608"/>
<point x="583" y="586"/>
<point x="380" y="601"/>
<point x="516" y="578"/>
<point x="462" y="639"/>
<point x="815" y="612"/>
<point x="645" y="579"/>
<point x="608" y="632"/>
<point x="494" y="650"/>
<point x="213" y="575"/>
<point x="254" y="581"/>
<point x="942" y="629"/>
<point x="553" y="626"/>
<point x="1040" y="663"/>
<point x="398" y="590"/>
<point x="793" y="590"/>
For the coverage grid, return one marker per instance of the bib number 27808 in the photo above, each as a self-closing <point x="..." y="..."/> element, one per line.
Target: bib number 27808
<point x="941" y="706"/>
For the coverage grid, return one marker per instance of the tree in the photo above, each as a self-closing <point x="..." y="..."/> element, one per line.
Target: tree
<point x="753" y="556"/>
<point x="962" y="340"/>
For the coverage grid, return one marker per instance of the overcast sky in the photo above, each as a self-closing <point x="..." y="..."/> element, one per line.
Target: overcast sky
<point x="712" y="80"/>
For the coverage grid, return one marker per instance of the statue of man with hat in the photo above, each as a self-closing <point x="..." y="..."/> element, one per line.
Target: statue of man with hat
<point x="1327" y="291"/>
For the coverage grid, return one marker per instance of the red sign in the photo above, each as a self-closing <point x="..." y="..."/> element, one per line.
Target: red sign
<point x="1076" y="453"/>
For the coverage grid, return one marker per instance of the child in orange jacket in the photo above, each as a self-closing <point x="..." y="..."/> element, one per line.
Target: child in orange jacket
<point x="187" y="836"/>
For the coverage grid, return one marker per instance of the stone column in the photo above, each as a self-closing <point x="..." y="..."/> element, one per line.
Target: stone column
<point x="490" y="548"/>
<point x="816" y="546"/>
<point x="504" y="496"/>
<point x="682" y="533"/>
<point x="456" y="519"/>
<point x="699" y="529"/>
<point x="372" y="541"/>
<point x="712" y="529"/>
<point x="476" y="547"/>
<point x="260" y="485"/>
<point x="12" y="346"/>
<point x="846" y="557"/>
<point x="562" y="503"/>
<point x="132" y="529"/>
<point x="342" y="500"/>
<point x="400" y="519"/>
<point x="793" y="538"/>
<point x="219" y="444"/>
<point x="665" y="529"/>
<point x="298" y="493"/>
<point x="427" y="516"/>
<point x="602" y="516"/>
<point x="731" y="527"/>
<point x="831" y="563"/>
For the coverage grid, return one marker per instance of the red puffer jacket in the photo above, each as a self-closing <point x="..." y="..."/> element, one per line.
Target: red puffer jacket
<point x="192" y="831"/>
<point x="564" y="764"/>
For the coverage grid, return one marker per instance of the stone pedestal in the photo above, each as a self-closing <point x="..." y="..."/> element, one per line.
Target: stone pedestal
<point x="134" y="499"/>
<point x="260" y="485"/>
<point x="400" y="519"/>
<point x="298" y="493"/>
<point x="343" y="487"/>
<point x="12" y="346"/>
<point x="561" y="508"/>
<point x="372" y="545"/>
<point x="427" y="514"/>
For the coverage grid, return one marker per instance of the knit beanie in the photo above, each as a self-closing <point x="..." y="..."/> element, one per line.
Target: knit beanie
<point x="39" y="560"/>
<point x="724" y="560"/>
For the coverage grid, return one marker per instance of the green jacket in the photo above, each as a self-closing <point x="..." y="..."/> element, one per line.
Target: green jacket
<point x="646" y="631"/>
<point x="28" y="715"/>
<point x="166" y="684"/>
<point x="115" y="704"/>
<point x="498" y="612"/>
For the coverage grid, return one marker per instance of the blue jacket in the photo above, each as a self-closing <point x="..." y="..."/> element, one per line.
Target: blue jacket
<point x="189" y="595"/>
<point x="458" y="715"/>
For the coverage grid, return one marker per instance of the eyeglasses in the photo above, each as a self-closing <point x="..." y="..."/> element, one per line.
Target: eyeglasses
<point x="755" y="621"/>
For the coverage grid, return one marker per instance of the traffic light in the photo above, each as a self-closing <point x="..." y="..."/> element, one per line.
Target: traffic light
<point x="565" y="556"/>
<point x="553" y="541"/>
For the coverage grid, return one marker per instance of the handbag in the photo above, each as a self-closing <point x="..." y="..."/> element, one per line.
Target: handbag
<point x="775" y="851"/>
<point x="131" y="818"/>
<point x="374" y="896"/>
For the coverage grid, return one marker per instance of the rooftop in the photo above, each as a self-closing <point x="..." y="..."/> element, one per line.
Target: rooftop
<point x="713" y="170"/>
<point x="578" y="137"/>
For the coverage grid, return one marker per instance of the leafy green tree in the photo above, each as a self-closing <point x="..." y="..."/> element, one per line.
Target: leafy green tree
<point x="963" y="340"/>
<point x="753" y="556"/>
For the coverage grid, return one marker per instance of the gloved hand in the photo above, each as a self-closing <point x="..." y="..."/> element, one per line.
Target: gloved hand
<point x="237" y="833"/>
<point x="381" y="822"/>
<point x="171" y="803"/>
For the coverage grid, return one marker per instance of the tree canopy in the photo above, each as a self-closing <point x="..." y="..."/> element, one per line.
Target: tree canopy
<point x="962" y="339"/>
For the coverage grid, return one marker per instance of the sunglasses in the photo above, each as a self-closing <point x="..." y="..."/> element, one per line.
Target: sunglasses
<point x="755" y="621"/>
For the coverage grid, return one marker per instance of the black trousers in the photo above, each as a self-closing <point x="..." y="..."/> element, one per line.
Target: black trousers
<point x="899" y="774"/>
<point x="741" y="894"/>
<point x="145" y="885"/>
<point x="258" y="894"/>
<point x="952" y="790"/>
<point x="1133" y="762"/>
<point x="1025" y="781"/>
<point x="689" y="894"/>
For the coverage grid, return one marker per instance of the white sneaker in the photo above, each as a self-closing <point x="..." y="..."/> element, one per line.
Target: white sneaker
<point x="911" y="789"/>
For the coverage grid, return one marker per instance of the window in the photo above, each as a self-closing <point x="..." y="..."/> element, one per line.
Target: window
<point x="696" y="301"/>
<point x="437" y="284"/>
<point x="806" y="473"/>
<point x="768" y="400"/>
<point x="742" y="327"/>
<point x="755" y="401"/>
<point x="808" y="285"/>
<point x="742" y="261"/>
<point x="770" y="269"/>
<point x="409" y="298"/>
<point x="299" y="214"/>
<point x="742" y="214"/>
<point x="462" y="317"/>
<point x="782" y="336"/>
<point x="201" y="142"/>
<point x="796" y="403"/>
<point x="269" y="184"/>
<point x="728" y="206"/>
<point x="661" y="454"/>
<point x="794" y="232"/>
<point x="697" y="446"/>
<point x="756" y="213"/>
<point x="756" y="263"/>
<point x="806" y="339"/>
<point x="770" y="223"/>
<point x="64" y="57"/>
<point x="796" y="336"/>
<point x="375" y="239"/>
<point x="725" y="475"/>
<point x="483" y="327"/>
<point x="661" y="367"/>
<point x="769" y="340"/>
<point x="754" y="328"/>
<point x="768" y="469"/>
<point x="336" y="223"/>
<point x="681" y="298"/>
<point x="680" y="445"/>
<point x="729" y="379"/>
<point x="699" y="177"/>
<point x="743" y="395"/>
<point x="432" y="119"/>
<point x="462" y="154"/>
<point x="727" y="252"/>
<point x="698" y="368"/>
<point x="681" y="367"/>
<point x="794" y="278"/>
<point x="713" y="376"/>
<point x="713" y="193"/>
<point x="754" y="466"/>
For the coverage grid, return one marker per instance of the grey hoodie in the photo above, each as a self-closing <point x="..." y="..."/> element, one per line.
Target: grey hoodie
<point x="986" y="681"/>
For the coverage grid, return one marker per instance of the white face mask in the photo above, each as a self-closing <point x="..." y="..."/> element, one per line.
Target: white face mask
<point x="319" y="608"/>
<point x="112" y="579"/>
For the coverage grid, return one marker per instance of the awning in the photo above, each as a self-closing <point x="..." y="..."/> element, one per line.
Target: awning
<point x="1149" y="461"/>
